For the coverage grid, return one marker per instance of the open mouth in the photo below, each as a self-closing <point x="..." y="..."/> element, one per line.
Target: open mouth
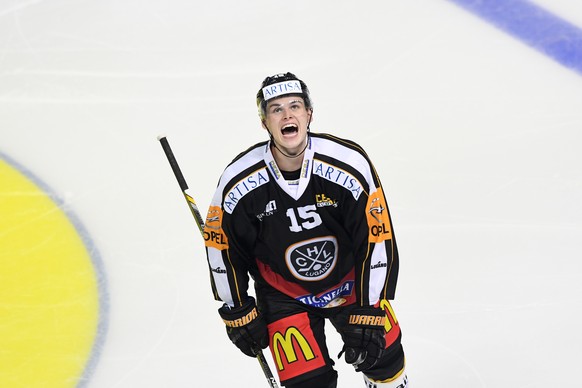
<point x="289" y="129"/>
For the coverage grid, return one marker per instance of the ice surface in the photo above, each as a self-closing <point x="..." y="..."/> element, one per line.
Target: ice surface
<point x="476" y="137"/>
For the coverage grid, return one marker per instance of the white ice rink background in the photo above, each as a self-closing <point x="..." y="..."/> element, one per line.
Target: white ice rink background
<point x="476" y="134"/>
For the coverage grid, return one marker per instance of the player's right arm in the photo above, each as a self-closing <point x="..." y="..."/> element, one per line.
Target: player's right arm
<point x="229" y="232"/>
<point x="228" y="236"/>
<point x="225" y="238"/>
<point x="227" y="259"/>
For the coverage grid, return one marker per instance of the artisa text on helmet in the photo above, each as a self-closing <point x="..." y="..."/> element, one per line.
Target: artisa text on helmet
<point x="281" y="88"/>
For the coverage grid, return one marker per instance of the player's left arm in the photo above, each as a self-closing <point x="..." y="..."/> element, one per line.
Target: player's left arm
<point x="376" y="250"/>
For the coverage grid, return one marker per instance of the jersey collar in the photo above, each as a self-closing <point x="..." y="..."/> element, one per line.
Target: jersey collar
<point x="304" y="176"/>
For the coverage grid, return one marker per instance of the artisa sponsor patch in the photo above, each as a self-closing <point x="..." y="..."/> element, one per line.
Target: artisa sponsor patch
<point x="338" y="176"/>
<point x="243" y="187"/>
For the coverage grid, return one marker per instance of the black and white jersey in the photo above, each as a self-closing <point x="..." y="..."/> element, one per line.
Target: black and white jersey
<point x="324" y="236"/>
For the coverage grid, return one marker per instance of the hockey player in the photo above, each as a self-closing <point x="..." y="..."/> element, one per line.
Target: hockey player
<point x="305" y="216"/>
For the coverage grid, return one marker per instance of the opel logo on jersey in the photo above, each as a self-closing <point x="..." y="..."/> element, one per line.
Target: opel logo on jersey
<point x="378" y="219"/>
<point x="376" y="209"/>
<point x="214" y="236"/>
<point x="312" y="260"/>
<point x="213" y="218"/>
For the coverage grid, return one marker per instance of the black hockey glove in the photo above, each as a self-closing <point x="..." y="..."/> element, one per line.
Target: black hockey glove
<point x="363" y="337"/>
<point x="245" y="327"/>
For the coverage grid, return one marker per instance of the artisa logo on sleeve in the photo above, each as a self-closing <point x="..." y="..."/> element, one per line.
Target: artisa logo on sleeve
<point x="243" y="187"/>
<point x="339" y="177"/>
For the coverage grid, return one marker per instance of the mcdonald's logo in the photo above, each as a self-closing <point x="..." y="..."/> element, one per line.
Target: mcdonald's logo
<point x="287" y="343"/>
<point x="294" y="347"/>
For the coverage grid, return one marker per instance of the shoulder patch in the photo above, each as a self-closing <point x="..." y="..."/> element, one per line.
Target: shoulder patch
<point x="378" y="218"/>
<point x="338" y="176"/>
<point x="243" y="187"/>
<point x="213" y="234"/>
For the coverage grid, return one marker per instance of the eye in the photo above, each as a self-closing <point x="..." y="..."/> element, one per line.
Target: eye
<point x="296" y="105"/>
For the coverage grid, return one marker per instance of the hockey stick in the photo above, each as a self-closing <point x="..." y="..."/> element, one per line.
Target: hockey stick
<point x="200" y="222"/>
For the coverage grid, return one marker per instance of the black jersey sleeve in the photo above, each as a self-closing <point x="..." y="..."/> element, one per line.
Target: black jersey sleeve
<point x="376" y="252"/>
<point x="227" y="260"/>
<point x="378" y="270"/>
<point x="369" y="222"/>
<point x="229" y="232"/>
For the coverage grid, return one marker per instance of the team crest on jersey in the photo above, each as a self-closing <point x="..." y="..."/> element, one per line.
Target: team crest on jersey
<point x="312" y="260"/>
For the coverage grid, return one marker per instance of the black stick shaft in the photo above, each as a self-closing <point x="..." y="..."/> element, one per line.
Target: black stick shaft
<point x="182" y="182"/>
<point x="265" y="367"/>
<point x="200" y="222"/>
<point x="173" y="163"/>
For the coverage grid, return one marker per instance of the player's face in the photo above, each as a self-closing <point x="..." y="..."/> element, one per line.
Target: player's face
<point x="287" y="119"/>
